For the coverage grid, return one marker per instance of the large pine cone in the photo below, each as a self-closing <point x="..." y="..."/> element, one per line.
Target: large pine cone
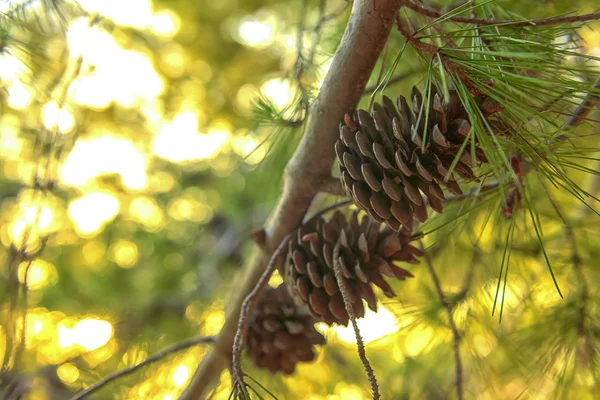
<point x="366" y="253"/>
<point x="280" y="333"/>
<point x="384" y="167"/>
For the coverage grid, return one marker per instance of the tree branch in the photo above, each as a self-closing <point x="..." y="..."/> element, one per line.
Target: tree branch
<point x="153" y="358"/>
<point x="367" y="31"/>
<point x="511" y="23"/>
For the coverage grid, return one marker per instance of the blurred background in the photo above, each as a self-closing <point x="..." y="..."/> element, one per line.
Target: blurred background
<point x="141" y="141"/>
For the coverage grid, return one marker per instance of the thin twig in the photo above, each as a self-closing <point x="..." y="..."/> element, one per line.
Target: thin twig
<point x="300" y="62"/>
<point x="476" y="191"/>
<point x="591" y="99"/>
<point x="448" y="64"/>
<point x="153" y="358"/>
<point x="398" y="78"/>
<point x="348" y="305"/>
<point x="327" y="209"/>
<point x="576" y="261"/>
<point x="318" y="30"/>
<point x="511" y="23"/>
<point x="247" y="306"/>
<point x="448" y="308"/>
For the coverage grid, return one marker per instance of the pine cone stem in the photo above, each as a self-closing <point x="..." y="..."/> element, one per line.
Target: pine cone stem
<point x="247" y="306"/>
<point x="348" y="305"/>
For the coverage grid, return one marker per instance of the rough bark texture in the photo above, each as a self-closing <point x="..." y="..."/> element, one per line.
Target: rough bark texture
<point x="366" y="33"/>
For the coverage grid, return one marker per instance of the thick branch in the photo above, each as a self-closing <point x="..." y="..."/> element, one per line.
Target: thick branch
<point x="367" y="31"/>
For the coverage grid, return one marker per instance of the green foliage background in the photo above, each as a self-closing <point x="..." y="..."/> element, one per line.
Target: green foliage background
<point x="160" y="269"/>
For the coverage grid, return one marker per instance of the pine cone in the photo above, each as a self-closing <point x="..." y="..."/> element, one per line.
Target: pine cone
<point x="280" y="333"/>
<point x="383" y="167"/>
<point x="366" y="253"/>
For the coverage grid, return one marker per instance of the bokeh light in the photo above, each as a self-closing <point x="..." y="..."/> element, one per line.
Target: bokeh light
<point x="372" y="327"/>
<point x="179" y="140"/>
<point x="103" y="155"/>
<point x="89" y="333"/>
<point x="40" y="273"/>
<point x="92" y="211"/>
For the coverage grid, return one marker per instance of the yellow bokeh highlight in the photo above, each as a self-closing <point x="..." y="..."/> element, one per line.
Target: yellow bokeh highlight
<point x="213" y="322"/>
<point x="134" y="355"/>
<point x="279" y="91"/>
<point x="255" y="34"/>
<point x="40" y="273"/>
<point x="345" y="391"/>
<point x="32" y="217"/>
<point x="102" y="155"/>
<point x="11" y="142"/>
<point x="189" y="209"/>
<point x="93" y="211"/>
<point x="126" y="77"/>
<point x="276" y="279"/>
<point x="133" y="13"/>
<point x="39" y="327"/>
<point x="252" y="150"/>
<point x="161" y="182"/>
<point x="170" y="378"/>
<point x="165" y="23"/>
<point x="19" y="96"/>
<point x="88" y="333"/>
<point x="54" y="116"/>
<point x="179" y="141"/>
<point x="68" y="373"/>
<point x="257" y="31"/>
<point x="173" y="60"/>
<point x="92" y="252"/>
<point x="124" y="253"/>
<point x="372" y="327"/>
<point x="13" y="67"/>
<point x="98" y="356"/>
<point x="146" y="211"/>
<point x="180" y="375"/>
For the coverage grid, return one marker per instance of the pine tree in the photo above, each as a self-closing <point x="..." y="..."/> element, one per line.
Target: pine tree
<point x="454" y="144"/>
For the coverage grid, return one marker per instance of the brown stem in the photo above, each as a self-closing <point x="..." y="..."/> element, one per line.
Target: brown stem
<point x="153" y="358"/>
<point x="367" y="31"/>
<point x="348" y="305"/>
<point x="449" y="65"/>
<point x="511" y="23"/>
<point x="247" y="306"/>
<point x="455" y="333"/>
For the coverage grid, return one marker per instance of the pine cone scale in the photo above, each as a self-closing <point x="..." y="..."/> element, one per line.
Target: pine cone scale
<point x="391" y="159"/>
<point x="365" y="253"/>
<point x="281" y="334"/>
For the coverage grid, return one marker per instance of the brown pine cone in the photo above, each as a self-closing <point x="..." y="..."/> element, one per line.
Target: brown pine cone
<point x="280" y="333"/>
<point x="366" y="253"/>
<point x="389" y="159"/>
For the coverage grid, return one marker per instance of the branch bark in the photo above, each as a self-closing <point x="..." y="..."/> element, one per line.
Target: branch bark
<point x="368" y="28"/>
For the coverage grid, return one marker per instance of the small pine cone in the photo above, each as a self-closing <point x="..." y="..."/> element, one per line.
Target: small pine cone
<point x="383" y="167"/>
<point x="280" y="333"/>
<point x="366" y="253"/>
